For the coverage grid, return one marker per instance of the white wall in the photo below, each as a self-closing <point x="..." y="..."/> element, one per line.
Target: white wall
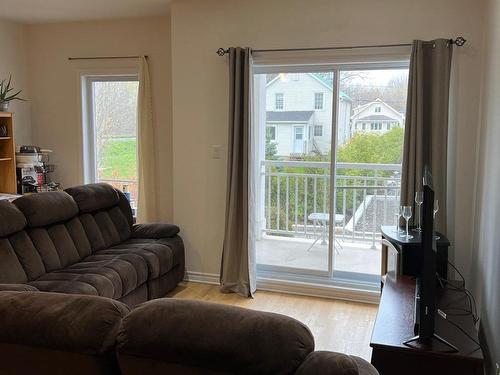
<point x="200" y="84"/>
<point x="486" y="255"/>
<point x="56" y="108"/>
<point x="13" y="62"/>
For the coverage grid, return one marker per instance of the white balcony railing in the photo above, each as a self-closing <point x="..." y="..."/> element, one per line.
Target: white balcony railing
<point x="366" y="197"/>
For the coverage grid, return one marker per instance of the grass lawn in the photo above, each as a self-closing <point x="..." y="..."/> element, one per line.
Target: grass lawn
<point x="119" y="159"/>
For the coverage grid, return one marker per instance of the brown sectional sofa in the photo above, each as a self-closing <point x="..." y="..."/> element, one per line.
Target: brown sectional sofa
<point x="53" y="333"/>
<point x="83" y="241"/>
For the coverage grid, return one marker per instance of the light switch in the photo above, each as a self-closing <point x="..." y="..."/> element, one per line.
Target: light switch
<point x="216" y="151"/>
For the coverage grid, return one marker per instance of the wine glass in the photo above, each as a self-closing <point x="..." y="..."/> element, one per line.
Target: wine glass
<point x="419" y="199"/>
<point x="436" y="209"/>
<point x="407" y="216"/>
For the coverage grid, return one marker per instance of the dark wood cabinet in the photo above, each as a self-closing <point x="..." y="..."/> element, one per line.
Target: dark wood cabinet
<point x="395" y="324"/>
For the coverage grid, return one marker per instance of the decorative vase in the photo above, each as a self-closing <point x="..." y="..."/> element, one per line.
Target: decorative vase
<point x="3" y="130"/>
<point x="4" y="106"/>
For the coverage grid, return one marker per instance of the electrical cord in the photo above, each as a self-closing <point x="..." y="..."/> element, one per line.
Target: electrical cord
<point x="470" y="297"/>
<point x="443" y="315"/>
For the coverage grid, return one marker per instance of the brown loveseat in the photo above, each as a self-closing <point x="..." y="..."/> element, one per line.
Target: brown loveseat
<point x="53" y="333"/>
<point x="83" y="241"/>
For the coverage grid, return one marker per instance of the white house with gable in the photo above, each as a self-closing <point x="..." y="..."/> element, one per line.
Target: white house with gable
<point x="375" y="117"/>
<point x="299" y="114"/>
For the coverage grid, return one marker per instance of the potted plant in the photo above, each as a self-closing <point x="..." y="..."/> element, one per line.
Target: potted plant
<point x="6" y="95"/>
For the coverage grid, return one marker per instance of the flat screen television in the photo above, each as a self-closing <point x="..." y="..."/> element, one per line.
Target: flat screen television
<point x="426" y="282"/>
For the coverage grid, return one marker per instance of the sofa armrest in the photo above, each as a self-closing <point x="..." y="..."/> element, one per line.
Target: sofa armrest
<point x="17" y="288"/>
<point x="57" y="321"/>
<point x="154" y="231"/>
<point x="322" y="362"/>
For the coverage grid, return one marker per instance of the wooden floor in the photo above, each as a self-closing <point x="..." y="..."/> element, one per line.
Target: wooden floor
<point x="336" y="325"/>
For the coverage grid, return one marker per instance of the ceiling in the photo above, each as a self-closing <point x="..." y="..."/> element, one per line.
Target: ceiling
<point x="45" y="11"/>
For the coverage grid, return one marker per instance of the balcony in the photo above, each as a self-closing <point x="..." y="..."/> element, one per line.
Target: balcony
<point x="295" y="214"/>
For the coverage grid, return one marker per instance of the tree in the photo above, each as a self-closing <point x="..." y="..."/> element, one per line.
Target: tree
<point x="271" y="150"/>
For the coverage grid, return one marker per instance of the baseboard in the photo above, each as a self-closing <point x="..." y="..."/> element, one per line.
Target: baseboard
<point x="298" y="288"/>
<point x="201" y="277"/>
<point x="318" y="290"/>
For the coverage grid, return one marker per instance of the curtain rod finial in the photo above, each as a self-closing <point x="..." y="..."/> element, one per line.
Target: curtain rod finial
<point x="222" y="51"/>
<point x="459" y="41"/>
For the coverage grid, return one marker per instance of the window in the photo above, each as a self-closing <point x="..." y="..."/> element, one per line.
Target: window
<point x="279" y="101"/>
<point x="363" y="126"/>
<point x="271" y="133"/>
<point x="376" y="126"/>
<point x="110" y="131"/>
<point x="318" y="130"/>
<point x="378" y="109"/>
<point x="318" y="100"/>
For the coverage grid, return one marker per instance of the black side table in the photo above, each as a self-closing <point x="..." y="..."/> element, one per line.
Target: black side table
<point x="406" y="257"/>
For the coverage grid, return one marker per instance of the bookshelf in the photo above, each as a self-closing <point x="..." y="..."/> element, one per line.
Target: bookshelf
<point x="7" y="156"/>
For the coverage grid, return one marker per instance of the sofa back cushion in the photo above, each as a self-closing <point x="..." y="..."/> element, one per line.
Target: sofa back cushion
<point x="44" y="328"/>
<point x="197" y="334"/>
<point x="55" y="236"/>
<point x="47" y="208"/>
<point x="11" y="219"/>
<point x="12" y="222"/>
<point x="104" y="213"/>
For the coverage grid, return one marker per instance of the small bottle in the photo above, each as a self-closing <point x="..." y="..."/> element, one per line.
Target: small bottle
<point x="126" y="191"/>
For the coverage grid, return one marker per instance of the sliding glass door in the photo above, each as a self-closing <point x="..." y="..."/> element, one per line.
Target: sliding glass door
<point x="327" y="155"/>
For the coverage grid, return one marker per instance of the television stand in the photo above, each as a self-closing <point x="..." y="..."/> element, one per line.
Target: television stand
<point x="395" y="325"/>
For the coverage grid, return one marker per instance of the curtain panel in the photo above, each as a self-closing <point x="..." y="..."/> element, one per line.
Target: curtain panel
<point x="147" y="210"/>
<point x="238" y="263"/>
<point x="426" y="125"/>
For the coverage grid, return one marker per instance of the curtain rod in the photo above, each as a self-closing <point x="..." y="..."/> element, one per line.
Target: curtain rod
<point x="105" y="57"/>
<point x="459" y="41"/>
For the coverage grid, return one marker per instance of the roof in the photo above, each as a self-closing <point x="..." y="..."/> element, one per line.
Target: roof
<point x="377" y="118"/>
<point x="321" y="78"/>
<point x="289" y="116"/>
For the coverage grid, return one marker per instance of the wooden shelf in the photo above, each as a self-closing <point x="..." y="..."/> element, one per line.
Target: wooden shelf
<point x="8" y="182"/>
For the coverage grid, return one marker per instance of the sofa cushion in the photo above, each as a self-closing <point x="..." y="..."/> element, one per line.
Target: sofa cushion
<point x="93" y="197"/>
<point x="215" y="337"/>
<point x="112" y="276"/>
<point x="11" y="219"/>
<point x="17" y="288"/>
<point x="322" y="362"/>
<point x="47" y="208"/>
<point x="11" y="270"/>
<point x="65" y="322"/>
<point x="160" y="255"/>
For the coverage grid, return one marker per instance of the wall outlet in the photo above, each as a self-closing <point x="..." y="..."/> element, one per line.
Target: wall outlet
<point x="216" y="151"/>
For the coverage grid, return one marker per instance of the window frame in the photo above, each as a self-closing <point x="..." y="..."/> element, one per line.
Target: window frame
<point x="276" y="101"/>
<point x="274" y="127"/>
<point x="88" y="117"/>
<point x="322" y="101"/>
<point x="315" y="127"/>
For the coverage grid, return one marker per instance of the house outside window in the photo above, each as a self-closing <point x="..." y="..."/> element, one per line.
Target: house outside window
<point x="318" y="100"/>
<point x="378" y="109"/>
<point x="363" y="126"/>
<point x="271" y="133"/>
<point x="376" y="126"/>
<point x="318" y="130"/>
<point x="279" y="101"/>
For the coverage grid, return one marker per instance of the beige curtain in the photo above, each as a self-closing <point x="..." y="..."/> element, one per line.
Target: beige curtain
<point x="147" y="191"/>
<point x="426" y="126"/>
<point x="237" y="266"/>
